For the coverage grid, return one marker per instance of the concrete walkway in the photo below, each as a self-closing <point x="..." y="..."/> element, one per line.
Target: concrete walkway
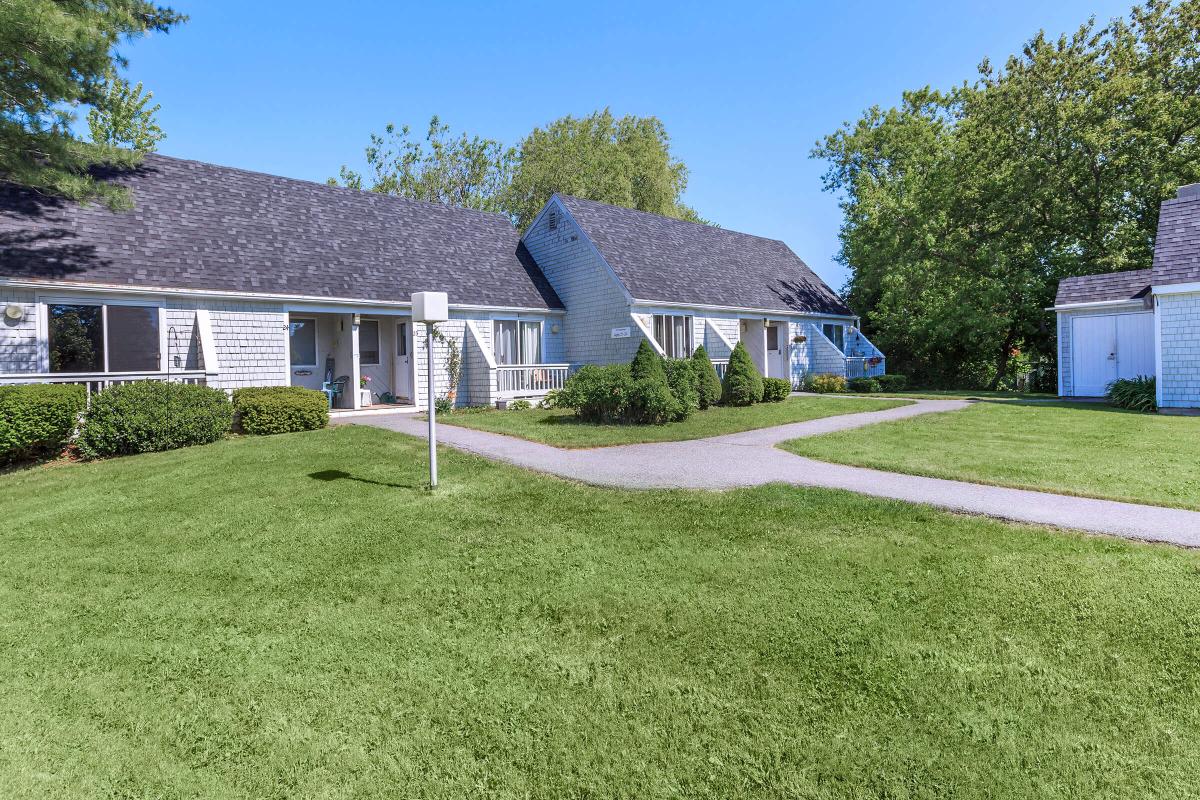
<point x="751" y="459"/>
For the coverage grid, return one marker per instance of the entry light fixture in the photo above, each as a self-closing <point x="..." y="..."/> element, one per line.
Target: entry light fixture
<point x="14" y="312"/>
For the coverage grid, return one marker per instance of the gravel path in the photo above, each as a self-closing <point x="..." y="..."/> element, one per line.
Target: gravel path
<point x="751" y="459"/>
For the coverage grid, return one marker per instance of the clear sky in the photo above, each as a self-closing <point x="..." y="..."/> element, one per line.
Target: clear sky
<point x="744" y="89"/>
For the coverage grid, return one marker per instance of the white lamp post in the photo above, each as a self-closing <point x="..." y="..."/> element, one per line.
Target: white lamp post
<point x="430" y="308"/>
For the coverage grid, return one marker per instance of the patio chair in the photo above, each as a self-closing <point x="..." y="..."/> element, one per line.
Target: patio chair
<point x="333" y="388"/>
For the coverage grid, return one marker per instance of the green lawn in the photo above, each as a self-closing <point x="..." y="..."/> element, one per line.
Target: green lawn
<point x="966" y="394"/>
<point x="295" y="617"/>
<point x="562" y="429"/>
<point x="1073" y="448"/>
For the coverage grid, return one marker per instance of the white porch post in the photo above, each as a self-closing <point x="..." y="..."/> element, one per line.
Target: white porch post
<point x="355" y="366"/>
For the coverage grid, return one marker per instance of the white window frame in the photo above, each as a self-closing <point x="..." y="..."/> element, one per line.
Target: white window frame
<point x="43" y="326"/>
<point x="316" y="340"/>
<point x="668" y="343"/>
<point x="522" y="357"/>
<point x="378" y="344"/>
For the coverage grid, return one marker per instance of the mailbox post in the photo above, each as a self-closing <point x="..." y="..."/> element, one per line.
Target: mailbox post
<point x="430" y="308"/>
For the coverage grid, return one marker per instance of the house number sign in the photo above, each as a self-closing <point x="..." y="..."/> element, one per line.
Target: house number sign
<point x="621" y="333"/>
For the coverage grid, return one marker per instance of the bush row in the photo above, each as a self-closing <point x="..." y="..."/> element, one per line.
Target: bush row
<point x="39" y="420"/>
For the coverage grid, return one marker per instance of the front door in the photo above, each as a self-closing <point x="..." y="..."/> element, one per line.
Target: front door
<point x="777" y="361"/>
<point x="403" y="366"/>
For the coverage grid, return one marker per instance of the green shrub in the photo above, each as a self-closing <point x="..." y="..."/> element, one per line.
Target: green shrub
<point x="893" y="383"/>
<point x="264" y="410"/>
<point x="647" y="364"/>
<point x="824" y="383"/>
<point x="1136" y="394"/>
<point x="743" y="385"/>
<point x="37" y="419"/>
<point x="551" y="400"/>
<point x="650" y="402"/>
<point x="864" y="385"/>
<point x="443" y="404"/>
<point x="708" y="383"/>
<point x="597" y="394"/>
<point x="776" y="390"/>
<point x="519" y="405"/>
<point x="149" y="416"/>
<point x="681" y="380"/>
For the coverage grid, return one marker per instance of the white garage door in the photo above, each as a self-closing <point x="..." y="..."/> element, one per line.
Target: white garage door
<point x="1110" y="347"/>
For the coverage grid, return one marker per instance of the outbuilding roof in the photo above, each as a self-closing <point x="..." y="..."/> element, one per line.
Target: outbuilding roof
<point x="1177" y="246"/>
<point x="1129" y="285"/>
<point x="669" y="260"/>
<point x="206" y="227"/>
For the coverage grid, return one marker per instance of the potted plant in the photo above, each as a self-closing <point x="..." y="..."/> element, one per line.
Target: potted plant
<point x="799" y="338"/>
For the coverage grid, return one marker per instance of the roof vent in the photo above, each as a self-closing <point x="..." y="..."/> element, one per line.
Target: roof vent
<point x="552" y="218"/>
<point x="1191" y="190"/>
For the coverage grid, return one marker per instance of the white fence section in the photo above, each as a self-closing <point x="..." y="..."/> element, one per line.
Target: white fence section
<point x="720" y="364"/>
<point x="864" y="368"/>
<point x="529" y="380"/>
<point x="96" y="381"/>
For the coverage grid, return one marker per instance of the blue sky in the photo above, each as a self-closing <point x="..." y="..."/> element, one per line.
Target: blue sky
<point x="744" y="89"/>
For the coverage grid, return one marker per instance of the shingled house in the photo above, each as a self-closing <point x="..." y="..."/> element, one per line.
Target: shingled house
<point x="234" y="278"/>
<point x="1140" y="322"/>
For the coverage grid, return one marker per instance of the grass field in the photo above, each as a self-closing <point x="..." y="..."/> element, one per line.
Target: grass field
<point x="1082" y="448"/>
<point x="966" y="394"/>
<point x="296" y="617"/>
<point x="562" y="429"/>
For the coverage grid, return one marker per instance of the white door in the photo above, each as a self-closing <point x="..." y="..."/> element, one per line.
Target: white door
<point x="777" y="346"/>
<point x="1093" y="355"/>
<point x="403" y="366"/>
<point x="1135" y="345"/>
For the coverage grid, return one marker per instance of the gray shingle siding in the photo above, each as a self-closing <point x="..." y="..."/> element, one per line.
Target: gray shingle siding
<point x="595" y="301"/>
<point x="1179" y="321"/>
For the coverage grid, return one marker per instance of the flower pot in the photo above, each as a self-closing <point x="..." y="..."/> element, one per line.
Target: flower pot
<point x="364" y="397"/>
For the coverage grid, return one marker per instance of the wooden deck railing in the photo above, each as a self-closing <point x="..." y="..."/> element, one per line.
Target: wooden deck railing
<point x="530" y="380"/>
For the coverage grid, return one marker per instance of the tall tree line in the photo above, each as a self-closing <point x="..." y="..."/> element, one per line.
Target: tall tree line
<point x="964" y="208"/>
<point x="624" y="161"/>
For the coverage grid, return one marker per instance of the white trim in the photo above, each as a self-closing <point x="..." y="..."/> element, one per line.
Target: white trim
<point x="1158" y="366"/>
<point x="1058" y="344"/>
<point x="472" y="326"/>
<point x="42" y="331"/>
<point x="208" y="343"/>
<point x="42" y="303"/>
<point x="720" y="334"/>
<point x="648" y="333"/>
<point x="1105" y="304"/>
<point x="775" y="313"/>
<point x="340" y="303"/>
<point x="1177" y="288"/>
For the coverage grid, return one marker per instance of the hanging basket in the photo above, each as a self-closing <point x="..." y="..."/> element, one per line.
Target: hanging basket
<point x="799" y="338"/>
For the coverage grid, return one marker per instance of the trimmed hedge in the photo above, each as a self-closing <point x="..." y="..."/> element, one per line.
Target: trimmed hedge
<point x="37" y="420"/>
<point x="865" y="385"/>
<point x="150" y="416"/>
<point x="598" y="394"/>
<point x="776" y="390"/>
<point x="266" y="410"/>
<point x="825" y="383"/>
<point x="647" y="392"/>
<point x="893" y="383"/>
<point x="681" y="379"/>
<point x="743" y="385"/>
<point x="708" y="383"/>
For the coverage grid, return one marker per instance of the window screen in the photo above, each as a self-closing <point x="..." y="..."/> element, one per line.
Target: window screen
<point x="76" y="338"/>
<point x="302" y="333"/>
<point x="368" y="343"/>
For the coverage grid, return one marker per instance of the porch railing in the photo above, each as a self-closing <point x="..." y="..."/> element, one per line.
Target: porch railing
<point x="95" y="381"/>
<point x="720" y="364"/>
<point x="863" y="368"/>
<point x="516" y="380"/>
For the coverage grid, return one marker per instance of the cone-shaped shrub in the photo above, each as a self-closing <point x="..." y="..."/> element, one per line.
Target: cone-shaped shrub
<point x="647" y="364"/>
<point x="708" y="384"/>
<point x="681" y="378"/>
<point x="743" y="384"/>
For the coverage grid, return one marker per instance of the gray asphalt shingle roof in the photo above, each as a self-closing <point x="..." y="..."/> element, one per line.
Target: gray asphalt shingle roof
<point x="1129" y="285"/>
<point x="669" y="260"/>
<point x="1177" y="246"/>
<point x="201" y="226"/>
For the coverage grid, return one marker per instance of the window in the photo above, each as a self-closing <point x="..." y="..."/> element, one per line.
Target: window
<point x="772" y="337"/>
<point x="673" y="334"/>
<point x="401" y="339"/>
<point x="103" y="338"/>
<point x="517" y="342"/>
<point x="302" y="334"/>
<point x="368" y="343"/>
<point x="835" y="334"/>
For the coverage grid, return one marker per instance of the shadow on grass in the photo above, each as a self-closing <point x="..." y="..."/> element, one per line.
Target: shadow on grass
<point x="328" y="475"/>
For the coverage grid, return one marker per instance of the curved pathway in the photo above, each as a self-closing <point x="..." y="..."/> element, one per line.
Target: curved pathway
<point x="751" y="458"/>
